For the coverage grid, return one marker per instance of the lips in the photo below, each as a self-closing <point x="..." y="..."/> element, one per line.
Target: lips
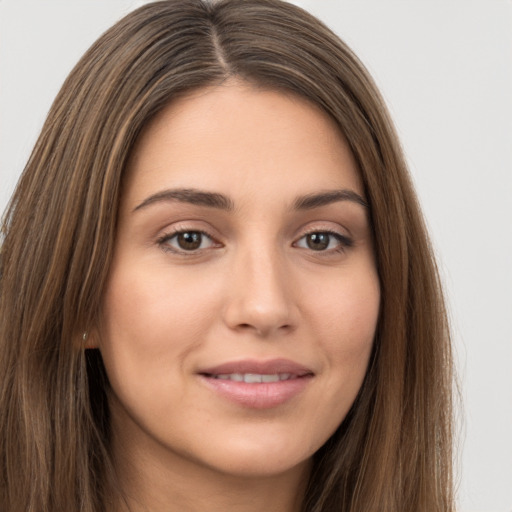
<point x="273" y="366"/>
<point x="257" y="384"/>
<point x="255" y="378"/>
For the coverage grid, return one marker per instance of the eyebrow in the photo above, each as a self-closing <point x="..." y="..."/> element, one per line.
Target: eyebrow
<point x="188" y="195"/>
<point x="222" y="202"/>
<point x="310" y="201"/>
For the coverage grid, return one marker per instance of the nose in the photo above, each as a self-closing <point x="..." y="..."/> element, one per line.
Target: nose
<point x="261" y="298"/>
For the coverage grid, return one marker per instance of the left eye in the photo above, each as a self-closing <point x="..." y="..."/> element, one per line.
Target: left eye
<point x="322" y="241"/>
<point x="188" y="241"/>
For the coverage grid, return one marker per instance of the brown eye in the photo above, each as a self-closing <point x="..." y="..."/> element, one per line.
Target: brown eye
<point x="186" y="241"/>
<point x="189" y="240"/>
<point x="324" y="241"/>
<point x="318" y="241"/>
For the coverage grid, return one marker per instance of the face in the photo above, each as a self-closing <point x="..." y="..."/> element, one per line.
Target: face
<point x="243" y="296"/>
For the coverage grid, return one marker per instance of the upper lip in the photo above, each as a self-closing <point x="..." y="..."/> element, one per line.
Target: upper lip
<point x="254" y="366"/>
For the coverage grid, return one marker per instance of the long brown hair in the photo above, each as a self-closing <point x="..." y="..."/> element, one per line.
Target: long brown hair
<point x="393" y="450"/>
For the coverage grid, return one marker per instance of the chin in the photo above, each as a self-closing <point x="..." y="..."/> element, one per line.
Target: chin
<point x="261" y="460"/>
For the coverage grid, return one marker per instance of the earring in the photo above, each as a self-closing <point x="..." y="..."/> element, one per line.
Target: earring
<point x="85" y="335"/>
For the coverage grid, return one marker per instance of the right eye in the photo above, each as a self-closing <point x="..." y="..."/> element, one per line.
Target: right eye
<point x="186" y="241"/>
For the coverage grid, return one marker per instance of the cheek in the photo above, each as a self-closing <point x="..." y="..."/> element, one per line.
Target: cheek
<point x="148" y="326"/>
<point x="346" y="320"/>
<point x="347" y="310"/>
<point x="153" y="306"/>
<point x="343" y="320"/>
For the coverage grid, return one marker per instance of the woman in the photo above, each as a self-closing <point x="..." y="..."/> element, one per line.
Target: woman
<point x="231" y="300"/>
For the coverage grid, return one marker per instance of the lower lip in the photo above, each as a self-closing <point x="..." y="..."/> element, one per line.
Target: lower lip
<point x="261" y="395"/>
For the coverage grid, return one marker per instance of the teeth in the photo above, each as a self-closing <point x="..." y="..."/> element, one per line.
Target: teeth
<point x="253" y="378"/>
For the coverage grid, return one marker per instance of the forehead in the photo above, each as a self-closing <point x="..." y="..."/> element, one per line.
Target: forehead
<point x="236" y="137"/>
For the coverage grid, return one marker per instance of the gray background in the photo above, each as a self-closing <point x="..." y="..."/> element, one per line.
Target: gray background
<point x="445" y="69"/>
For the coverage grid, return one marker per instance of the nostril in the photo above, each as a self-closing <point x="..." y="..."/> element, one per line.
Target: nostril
<point x="264" y="330"/>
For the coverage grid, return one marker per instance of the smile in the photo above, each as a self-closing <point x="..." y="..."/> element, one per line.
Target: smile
<point x="258" y="384"/>
<point x="255" y="378"/>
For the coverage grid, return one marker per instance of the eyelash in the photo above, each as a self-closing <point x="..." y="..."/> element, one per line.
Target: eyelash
<point x="345" y="242"/>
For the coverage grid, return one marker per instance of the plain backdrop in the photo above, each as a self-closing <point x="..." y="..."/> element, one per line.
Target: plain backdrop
<point x="445" y="69"/>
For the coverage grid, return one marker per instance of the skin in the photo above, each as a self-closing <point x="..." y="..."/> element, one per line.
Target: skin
<point x="253" y="289"/>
